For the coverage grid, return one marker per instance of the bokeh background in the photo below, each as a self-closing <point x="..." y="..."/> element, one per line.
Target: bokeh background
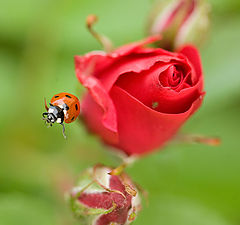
<point x="187" y="184"/>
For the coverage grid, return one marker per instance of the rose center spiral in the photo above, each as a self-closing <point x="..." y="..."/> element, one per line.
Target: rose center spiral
<point x="175" y="78"/>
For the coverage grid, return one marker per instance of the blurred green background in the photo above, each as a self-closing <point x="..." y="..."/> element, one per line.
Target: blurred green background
<point x="187" y="184"/>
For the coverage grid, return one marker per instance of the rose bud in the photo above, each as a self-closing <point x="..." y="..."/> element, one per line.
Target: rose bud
<point x="139" y="97"/>
<point x="103" y="199"/>
<point x="179" y="22"/>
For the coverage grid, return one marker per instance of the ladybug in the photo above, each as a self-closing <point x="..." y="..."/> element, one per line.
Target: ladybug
<point x="64" y="107"/>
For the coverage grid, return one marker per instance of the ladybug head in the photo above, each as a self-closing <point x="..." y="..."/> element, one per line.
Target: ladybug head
<point x="54" y="114"/>
<point x="49" y="118"/>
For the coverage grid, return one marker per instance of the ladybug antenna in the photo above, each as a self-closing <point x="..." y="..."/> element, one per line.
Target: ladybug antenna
<point x="46" y="107"/>
<point x="63" y="131"/>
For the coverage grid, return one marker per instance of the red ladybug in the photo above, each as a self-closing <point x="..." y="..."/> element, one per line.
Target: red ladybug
<point x="64" y="107"/>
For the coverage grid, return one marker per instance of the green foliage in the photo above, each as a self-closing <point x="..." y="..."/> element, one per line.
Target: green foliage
<point x="188" y="184"/>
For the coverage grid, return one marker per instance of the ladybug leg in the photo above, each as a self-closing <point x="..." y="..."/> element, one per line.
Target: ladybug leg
<point x="44" y="114"/>
<point x="44" y="117"/>
<point x="63" y="131"/>
<point x="46" y="107"/>
<point x="48" y="124"/>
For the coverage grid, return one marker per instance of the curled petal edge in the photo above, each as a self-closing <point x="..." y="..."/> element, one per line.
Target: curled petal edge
<point x="101" y="97"/>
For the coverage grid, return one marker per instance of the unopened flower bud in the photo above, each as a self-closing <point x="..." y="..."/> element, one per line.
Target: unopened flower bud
<point x="103" y="199"/>
<point x="180" y="22"/>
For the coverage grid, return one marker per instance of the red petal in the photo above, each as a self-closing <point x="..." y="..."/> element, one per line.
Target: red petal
<point x="116" y="184"/>
<point x="92" y="114"/>
<point x="147" y="88"/>
<point x="123" y="204"/>
<point x="97" y="200"/>
<point x="193" y="56"/>
<point x="131" y="63"/>
<point x="97" y="91"/>
<point x="142" y="129"/>
<point x="117" y="216"/>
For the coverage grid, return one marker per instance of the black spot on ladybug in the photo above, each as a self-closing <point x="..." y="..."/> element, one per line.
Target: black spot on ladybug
<point x="68" y="96"/>
<point x="76" y="106"/>
<point x="56" y="96"/>
<point x="72" y="118"/>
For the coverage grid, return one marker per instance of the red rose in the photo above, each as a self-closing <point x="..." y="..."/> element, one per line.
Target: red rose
<point x="139" y="97"/>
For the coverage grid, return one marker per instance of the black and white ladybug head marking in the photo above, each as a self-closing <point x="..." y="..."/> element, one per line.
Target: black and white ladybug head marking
<point x="54" y="114"/>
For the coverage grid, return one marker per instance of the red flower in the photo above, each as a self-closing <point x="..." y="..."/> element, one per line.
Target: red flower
<point x="139" y="97"/>
<point x="103" y="199"/>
